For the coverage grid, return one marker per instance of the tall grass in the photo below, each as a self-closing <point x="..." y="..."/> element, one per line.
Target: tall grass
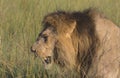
<point x="20" y="23"/>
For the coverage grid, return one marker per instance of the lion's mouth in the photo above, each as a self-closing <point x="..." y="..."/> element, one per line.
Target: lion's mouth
<point x="47" y="60"/>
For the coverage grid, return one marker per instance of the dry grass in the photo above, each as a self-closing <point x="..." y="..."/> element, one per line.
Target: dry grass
<point x="20" y="23"/>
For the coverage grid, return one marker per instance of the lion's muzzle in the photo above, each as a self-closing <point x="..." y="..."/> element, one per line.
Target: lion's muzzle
<point x="46" y="60"/>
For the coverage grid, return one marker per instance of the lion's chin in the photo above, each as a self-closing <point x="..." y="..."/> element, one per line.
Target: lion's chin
<point x="47" y="66"/>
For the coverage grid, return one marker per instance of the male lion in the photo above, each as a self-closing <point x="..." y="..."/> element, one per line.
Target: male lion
<point x="86" y="42"/>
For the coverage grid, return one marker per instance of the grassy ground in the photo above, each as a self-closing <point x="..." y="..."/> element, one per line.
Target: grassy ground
<point x="20" y="23"/>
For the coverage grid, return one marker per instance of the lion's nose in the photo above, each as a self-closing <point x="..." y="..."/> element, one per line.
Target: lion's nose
<point x="33" y="50"/>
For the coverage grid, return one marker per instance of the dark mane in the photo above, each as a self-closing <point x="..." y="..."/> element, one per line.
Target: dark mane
<point x="86" y="30"/>
<point x="84" y="22"/>
<point x="84" y="36"/>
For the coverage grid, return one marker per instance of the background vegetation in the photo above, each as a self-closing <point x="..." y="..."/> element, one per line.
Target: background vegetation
<point x="20" y="23"/>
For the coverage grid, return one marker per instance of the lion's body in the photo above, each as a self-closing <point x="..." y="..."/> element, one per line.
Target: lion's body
<point x="85" y="42"/>
<point x="106" y="64"/>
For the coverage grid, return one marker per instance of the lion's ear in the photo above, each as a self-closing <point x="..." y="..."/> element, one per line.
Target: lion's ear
<point x="51" y="20"/>
<point x="72" y="26"/>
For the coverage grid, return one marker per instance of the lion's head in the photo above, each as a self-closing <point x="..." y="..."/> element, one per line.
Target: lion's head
<point x="67" y="40"/>
<point x="54" y="43"/>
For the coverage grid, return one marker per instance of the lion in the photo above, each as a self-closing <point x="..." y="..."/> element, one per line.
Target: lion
<point x="85" y="42"/>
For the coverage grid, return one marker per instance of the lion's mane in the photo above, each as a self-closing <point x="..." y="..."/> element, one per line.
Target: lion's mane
<point x="84" y="37"/>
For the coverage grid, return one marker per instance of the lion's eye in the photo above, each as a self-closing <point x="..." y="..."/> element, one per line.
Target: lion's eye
<point x="45" y="38"/>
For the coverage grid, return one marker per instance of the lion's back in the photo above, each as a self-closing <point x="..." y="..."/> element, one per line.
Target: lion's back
<point x="107" y="60"/>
